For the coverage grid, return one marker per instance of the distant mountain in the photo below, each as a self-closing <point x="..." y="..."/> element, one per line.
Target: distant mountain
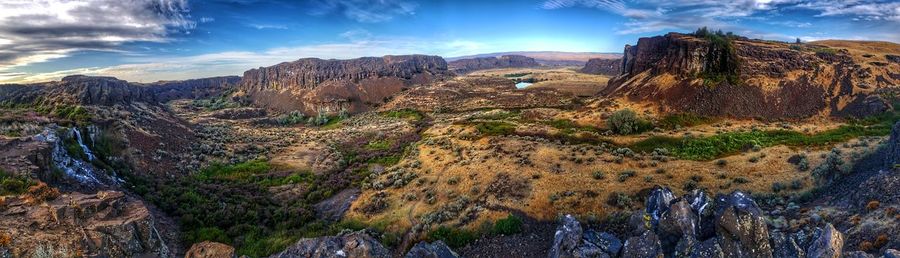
<point x="462" y="66"/>
<point x="549" y="58"/>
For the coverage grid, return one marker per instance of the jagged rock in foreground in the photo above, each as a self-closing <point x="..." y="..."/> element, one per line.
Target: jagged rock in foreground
<point x="433" y="250"/>
<point x="105" y="224"/>
<point x="603" y="66"/>
<point x="468" y="65"/>
<point x="741" y="230"/>
<point x="208" y="249"/>
<point x="359" y="244"/>
<point x="355" y="244"/>
<point x="311" y="85"/>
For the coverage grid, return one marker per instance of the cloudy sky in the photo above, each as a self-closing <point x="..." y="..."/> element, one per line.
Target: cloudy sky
<point x="150" y="40"/>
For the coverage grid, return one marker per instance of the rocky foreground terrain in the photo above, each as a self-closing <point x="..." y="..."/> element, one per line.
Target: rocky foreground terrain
<point x="699" y="145"/>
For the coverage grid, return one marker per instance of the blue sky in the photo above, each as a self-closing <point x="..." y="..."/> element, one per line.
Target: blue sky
<point x="150" y="40"/>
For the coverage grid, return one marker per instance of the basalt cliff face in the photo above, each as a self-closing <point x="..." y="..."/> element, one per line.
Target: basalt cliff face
<point x="754" y="78"/>
<point x="312" y="85"/>
<point x="108" y="91"/>
<point x="481" y="63"/>
<point x="611" y="67"/>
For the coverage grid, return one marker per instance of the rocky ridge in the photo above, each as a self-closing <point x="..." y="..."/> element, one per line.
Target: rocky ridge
<point x="313" y="85"/>
<point x="463" y="66"/>
<point x="685" y="73"/>
<point x="611" y="67"/>
<point x="108" y="91"/>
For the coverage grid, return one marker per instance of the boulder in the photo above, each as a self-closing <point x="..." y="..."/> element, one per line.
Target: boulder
<point x="784" y="246"/>
<point x="607" y="242"/>
<point x="658" y="203"/>
<point x="857" y="254"/>
<point x="567" y="237"/>
<point x="740" y="226"/>
<point x="433" y="250"/>
<point x="678" y="222"/>
<point x="708" y="249"/>
<point x="828" y="244"/>
<point x="208" y="249"/>
<point x="702" y="206"/>
<point x="355" y="244"/>
<point x="891" y="253"/>
<point x="644" y="246"/>
<point x="892" y="147"/>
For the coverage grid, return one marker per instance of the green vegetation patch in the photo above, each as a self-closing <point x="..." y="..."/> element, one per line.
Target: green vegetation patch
<point x="406" y="114"/>
<point x="712" y="147"/>
<point x="455" y="238"/>
<point x="508" y="226"/>
<point x="495" y="128"/>
<point x="13" y="185"/>
<point x="235" y="172"/>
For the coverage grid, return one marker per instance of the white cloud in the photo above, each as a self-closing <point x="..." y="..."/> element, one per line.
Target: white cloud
<point x="39" y="30"/>
<point x="154" y="68"/>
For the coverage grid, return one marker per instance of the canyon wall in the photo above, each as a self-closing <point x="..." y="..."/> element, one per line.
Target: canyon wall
<point x="311" y="85"/>
<point x="602" y="66"/>
<point x="463" y="66"/>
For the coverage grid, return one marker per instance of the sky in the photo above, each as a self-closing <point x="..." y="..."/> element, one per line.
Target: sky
<point x="151" y="40"/>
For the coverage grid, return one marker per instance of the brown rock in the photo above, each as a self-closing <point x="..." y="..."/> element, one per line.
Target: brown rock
<point x="468" y="65"/>
<point x="311" y="85"/>
<point x="208" y="249"/>
<point x="611" y="67"/>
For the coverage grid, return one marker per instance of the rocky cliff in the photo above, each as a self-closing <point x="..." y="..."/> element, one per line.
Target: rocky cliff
<point x="611" y="67"/>
<point x="192" y="89"/>
<point x="481" y="63"/>
<point x="108" y="91"/>
<point x="105" y="224"/>
<point x="735" y="76"/>
<point x="354" y="85"/>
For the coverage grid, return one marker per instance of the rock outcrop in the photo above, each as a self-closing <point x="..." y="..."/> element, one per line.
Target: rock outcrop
<point x="610" y="67"/>
<point x="360" y="244"/>
<point x="468" y="65"/>
<point x="679" y="227"/>
<point x="208" y="249"/>
<point x="312" y="85"/>
<point x="108" y="91"/>
<point x="355" y="244"/>
<point x="750" y="78"/>
<point x="105" y="224"/>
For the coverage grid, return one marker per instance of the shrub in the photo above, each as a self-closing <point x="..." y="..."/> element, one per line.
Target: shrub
<point x="495" y="128"/>
<point x="13" y="185"/>
<point x="619" y="199"/>
<point x="508" y="226"/>
<point x="455" y="238"/>
<point x="741" y="180"/>
<point x="624" y="175"/>
<point x="599" y="175"/>
<point x="797" y="184"/>
<point x="721" y="163"/>
<point x="777" y="187"/>
<point x="626" y="121"/>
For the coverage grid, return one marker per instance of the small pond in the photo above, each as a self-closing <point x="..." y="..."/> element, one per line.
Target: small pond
<point x="523" y="85"/>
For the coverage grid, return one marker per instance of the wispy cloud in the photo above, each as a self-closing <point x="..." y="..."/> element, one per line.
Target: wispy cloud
<point x="369" y="11"/>
<point x="646" y="16"/>
<point x="268" y="26"/>
<point x="153" y="68"/>
<point x="34" y="31"/>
